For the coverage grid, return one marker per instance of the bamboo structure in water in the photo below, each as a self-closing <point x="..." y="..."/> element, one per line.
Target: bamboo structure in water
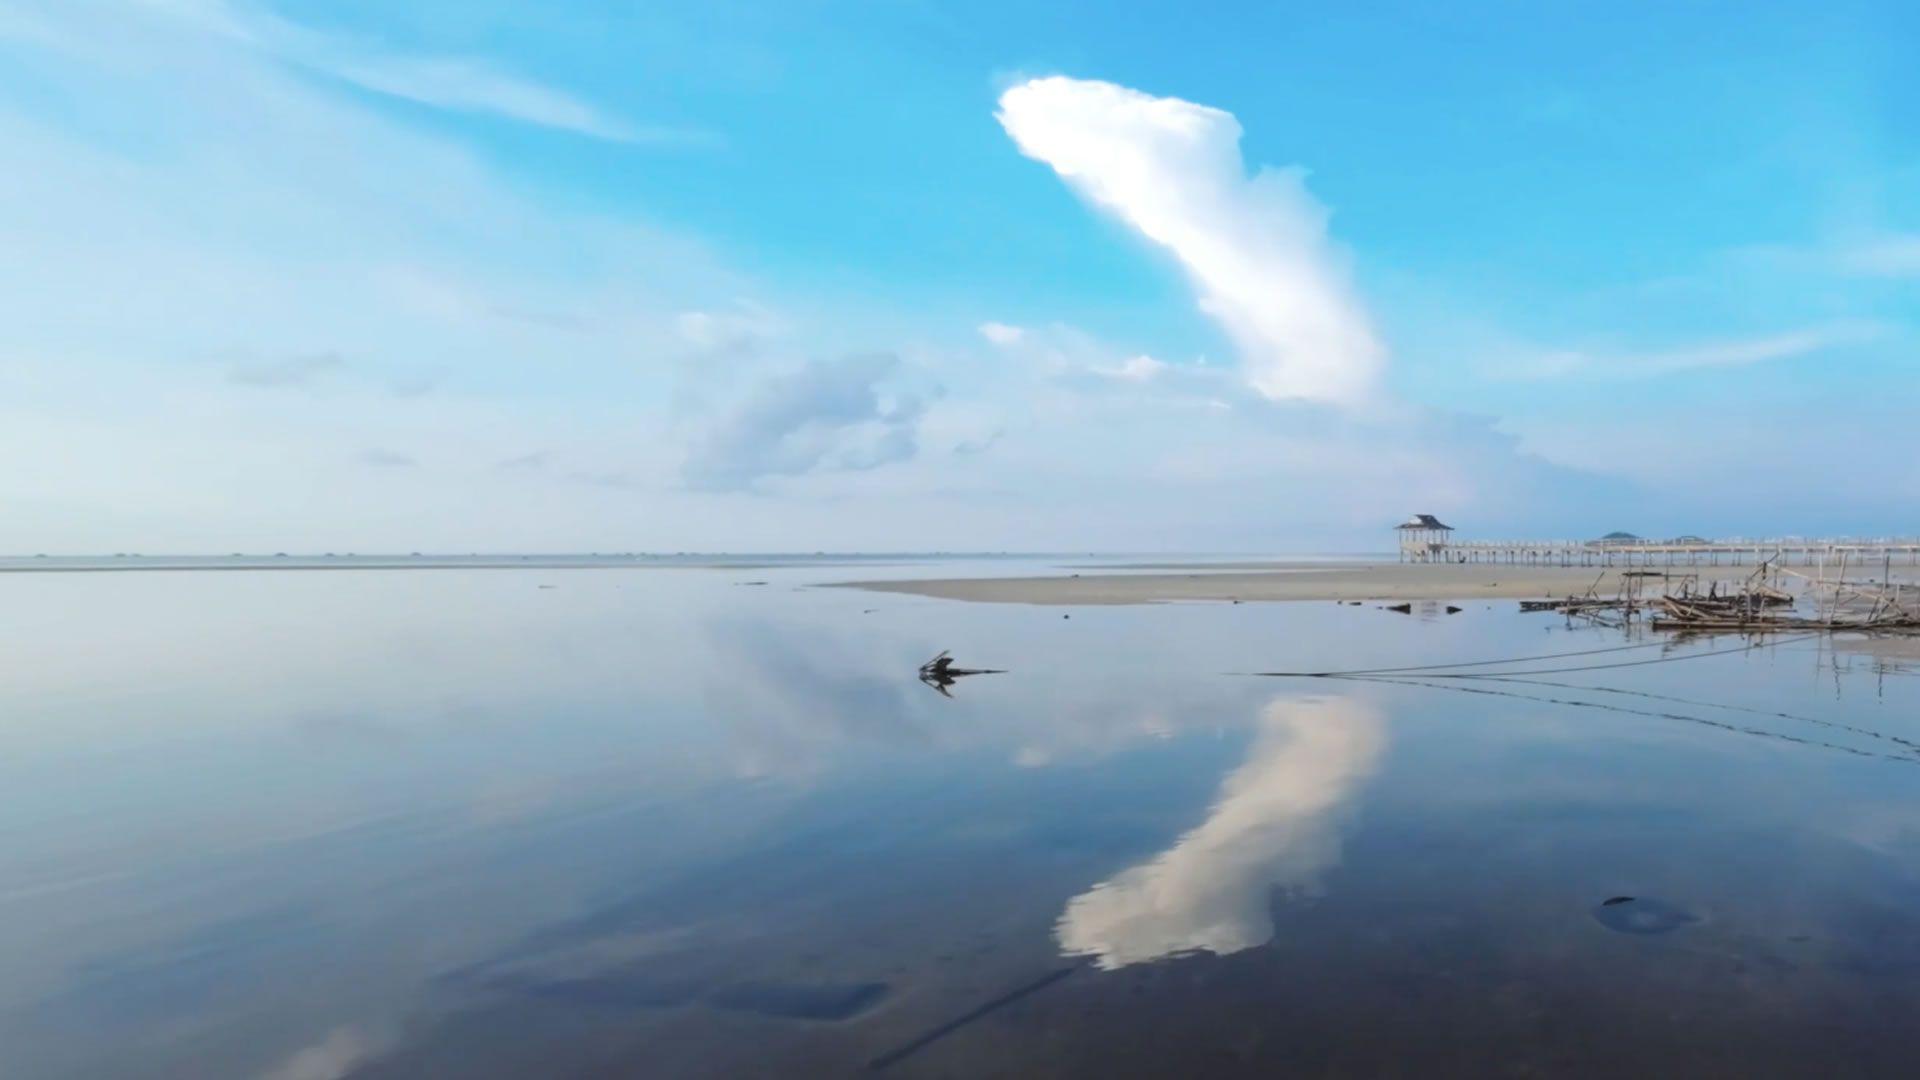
<point x="1760" y="604"/>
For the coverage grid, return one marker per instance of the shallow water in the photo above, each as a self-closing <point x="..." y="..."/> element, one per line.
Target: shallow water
<point x="665" y="823"/>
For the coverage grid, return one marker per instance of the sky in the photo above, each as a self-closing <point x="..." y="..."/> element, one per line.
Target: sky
<point x="889" y="275"/>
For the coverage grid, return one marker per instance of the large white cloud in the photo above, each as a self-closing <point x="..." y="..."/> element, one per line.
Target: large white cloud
<point x="1275" y="825"/>
<point x="1255" y="246"/>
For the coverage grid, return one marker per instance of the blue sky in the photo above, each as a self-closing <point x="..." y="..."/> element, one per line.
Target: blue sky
<point x="865" y="274"/>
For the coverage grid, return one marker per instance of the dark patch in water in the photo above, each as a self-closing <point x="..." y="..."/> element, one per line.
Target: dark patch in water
<point x="801" y="1002"/>
<point x="1642" y="915"/>
<point x="214" y="963"/>
<point x="605" y="991"/>
<point x="789" y="1001"/>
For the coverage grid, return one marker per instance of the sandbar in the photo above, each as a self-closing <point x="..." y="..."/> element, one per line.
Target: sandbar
<point x="1281" y="581"/>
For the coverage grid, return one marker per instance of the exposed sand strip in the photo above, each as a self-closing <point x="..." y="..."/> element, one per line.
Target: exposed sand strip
<point x="1291" y="581"/>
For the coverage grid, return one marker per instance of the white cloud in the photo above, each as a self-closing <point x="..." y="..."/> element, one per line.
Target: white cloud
<point x="1848" y="254"/>
<point x="1727" y="352"/>
<point x="1256" y="248"/>
<point x="734" y="331"/>
<point x="460" y="84"/>
<point x="260" y="215"/>
<point x="1073" y="357"/>
<point x="1890" y="255"/>
<point x="1275" y="825"/>
<point x="1134" y="369"/>
<point x="292" y="371"/>
<point x="472" y="86"/>
<point x="1001" y="334"/>
<point x="382" y="458"/>
<point x="832" y="415"/>
<point x="267" y="232"/>
<point x="979" y="444"/>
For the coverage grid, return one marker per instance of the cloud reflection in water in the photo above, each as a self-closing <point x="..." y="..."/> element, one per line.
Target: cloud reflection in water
<point x="1276" y="823"/>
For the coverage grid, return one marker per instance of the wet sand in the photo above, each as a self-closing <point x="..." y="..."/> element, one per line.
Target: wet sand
<point x="1287" y="581"/>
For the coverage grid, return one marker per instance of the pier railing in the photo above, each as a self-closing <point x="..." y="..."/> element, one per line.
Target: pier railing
<point x="1860" y="552"/>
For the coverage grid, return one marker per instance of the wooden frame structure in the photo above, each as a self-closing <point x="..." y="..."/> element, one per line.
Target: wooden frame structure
<point x="1424" y="538"/>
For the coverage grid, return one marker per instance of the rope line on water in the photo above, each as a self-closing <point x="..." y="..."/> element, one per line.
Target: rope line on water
<point x="1910" y="744"/>
<point x="1461" y="687"/>
<point x="1446" y="671"/>
<point x="1471" y="663"/>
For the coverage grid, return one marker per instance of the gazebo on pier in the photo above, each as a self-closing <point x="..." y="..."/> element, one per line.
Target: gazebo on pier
<point x="1423" y="538"/>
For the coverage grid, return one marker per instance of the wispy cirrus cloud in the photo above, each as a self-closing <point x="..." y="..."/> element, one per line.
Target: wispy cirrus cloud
<point x="733" y="331"/>
<point x="382" y="458"/>
<point x="468" y="85"/>
<point x="454" y="83"/>
<point x="292" y="371"/>
<point x="1885" y="255"/>
<point x="1852" y="254"/>
<point x="1255" y="247"/>
<point x="1071" y="355"/>
<point x="533" y="461"/>
<point x="1653" y="363"/>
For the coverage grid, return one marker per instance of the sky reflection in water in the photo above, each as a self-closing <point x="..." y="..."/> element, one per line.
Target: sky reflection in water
<point x="1273" y="828"/>
<point x="454" y="823"/>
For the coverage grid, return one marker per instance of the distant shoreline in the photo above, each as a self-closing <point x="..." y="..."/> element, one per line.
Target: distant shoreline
<point x="91" y="564"/>
<point x="1285" y="581"/>
<point x="201" y="564"/>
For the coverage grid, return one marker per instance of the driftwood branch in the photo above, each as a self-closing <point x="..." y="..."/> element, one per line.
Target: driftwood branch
<point x="940" y="673"/>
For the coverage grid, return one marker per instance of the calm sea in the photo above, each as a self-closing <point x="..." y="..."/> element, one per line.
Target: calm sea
<point x="672" y="821"/>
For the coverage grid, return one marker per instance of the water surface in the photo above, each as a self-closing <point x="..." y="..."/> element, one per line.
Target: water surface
<point x="706" y="822"/>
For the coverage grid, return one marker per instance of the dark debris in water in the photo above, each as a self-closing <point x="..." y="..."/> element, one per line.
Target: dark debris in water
<point x="940" y="673"/>
<point x="1642" y="915"/>
<point x="984" y="1009"/>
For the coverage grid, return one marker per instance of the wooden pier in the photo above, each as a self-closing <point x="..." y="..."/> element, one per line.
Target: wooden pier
<point x="1858" y="553"/>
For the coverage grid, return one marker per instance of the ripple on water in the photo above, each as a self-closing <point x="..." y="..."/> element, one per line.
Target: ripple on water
<point x="1642" y="915"/>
